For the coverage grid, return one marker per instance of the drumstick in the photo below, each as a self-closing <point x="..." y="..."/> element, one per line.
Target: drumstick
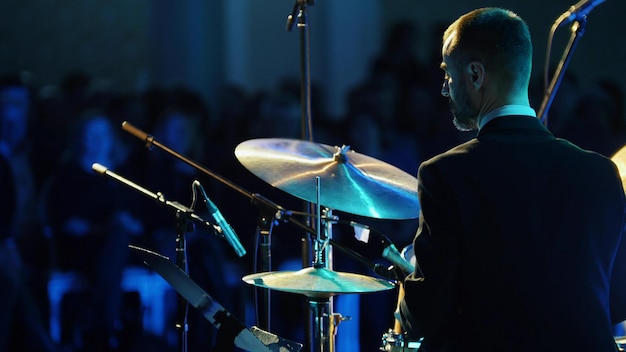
<point x="397" y="327"/>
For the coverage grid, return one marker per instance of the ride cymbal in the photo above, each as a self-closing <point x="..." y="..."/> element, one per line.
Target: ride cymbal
<point x="349" y="182"/>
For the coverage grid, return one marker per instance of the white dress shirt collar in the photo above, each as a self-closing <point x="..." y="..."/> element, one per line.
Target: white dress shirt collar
<point x="507" y="110"/>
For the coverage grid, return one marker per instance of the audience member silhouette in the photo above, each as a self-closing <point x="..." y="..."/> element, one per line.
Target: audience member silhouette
<point x="21" y="325"/>
<point x="597" y="122"/>
<point x="398" y="56"/>
<point x="24" y="251"/>
<point x="15" y="144"/>
<point x="92" y="222"/>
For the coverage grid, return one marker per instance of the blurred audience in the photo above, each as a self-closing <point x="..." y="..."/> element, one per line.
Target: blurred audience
<point x="92" y="220"/>
<point x="599" y="109"/>
<point x="23" y="251"/>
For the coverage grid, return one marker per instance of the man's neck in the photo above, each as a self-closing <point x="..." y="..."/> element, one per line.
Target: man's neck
<point x="506" y="110"/>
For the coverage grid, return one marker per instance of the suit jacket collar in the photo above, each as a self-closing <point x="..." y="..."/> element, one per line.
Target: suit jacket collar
<point x="515" y="127"/>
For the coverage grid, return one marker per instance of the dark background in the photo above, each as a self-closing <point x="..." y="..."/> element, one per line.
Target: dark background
<point x="131" y="45"/>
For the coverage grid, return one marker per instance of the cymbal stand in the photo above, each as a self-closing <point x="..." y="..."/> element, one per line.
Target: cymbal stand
<point x="321" y="336"/>
<point x="265" y="223"/>
<point x="300" y="14"/>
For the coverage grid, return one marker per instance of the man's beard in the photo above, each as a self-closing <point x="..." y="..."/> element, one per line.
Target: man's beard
<point x="465" y="117"/>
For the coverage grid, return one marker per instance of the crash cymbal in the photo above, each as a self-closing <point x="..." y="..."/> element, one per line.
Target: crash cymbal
<point x="317" y="282"/>
<point x="349" y="181"/>
<point x="619" y="158"/>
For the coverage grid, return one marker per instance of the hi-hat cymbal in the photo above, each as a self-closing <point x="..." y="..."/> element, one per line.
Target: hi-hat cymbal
<point x="317" y="282"/>
<point x="349" y="181"/>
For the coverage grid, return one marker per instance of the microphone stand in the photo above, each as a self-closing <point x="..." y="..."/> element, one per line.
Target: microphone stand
<point x="183" y="225"/>
<point x="186" y="218"/>
<point x="300" y="12"/>
<point x="270" y="213"/>
<point x="578" y="29"/>
<point x="263" y="263"/>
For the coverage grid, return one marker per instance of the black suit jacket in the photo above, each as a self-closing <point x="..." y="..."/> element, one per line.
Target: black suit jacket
<point x="521" y="245"/>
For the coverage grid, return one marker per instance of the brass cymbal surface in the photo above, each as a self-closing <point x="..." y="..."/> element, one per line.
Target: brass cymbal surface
<point x="317" y="282"/>
<point x="349" y="182"/>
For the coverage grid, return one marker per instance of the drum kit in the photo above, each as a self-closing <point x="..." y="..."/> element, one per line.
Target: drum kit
<point x="329" y="177"/>
<point x="346" y="181"/>
<point x="334" y="178"/>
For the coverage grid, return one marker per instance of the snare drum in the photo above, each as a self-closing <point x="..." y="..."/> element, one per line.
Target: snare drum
<point x="394" y="342"/>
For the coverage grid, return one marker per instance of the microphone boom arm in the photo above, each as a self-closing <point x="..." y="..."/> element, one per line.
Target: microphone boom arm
<point x="159" y="197"/>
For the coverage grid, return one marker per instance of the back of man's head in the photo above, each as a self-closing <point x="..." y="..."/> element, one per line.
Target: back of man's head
<point x="498" y="38"/>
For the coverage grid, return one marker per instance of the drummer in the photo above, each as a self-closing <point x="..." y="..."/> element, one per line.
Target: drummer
<point x="521" y="238"/>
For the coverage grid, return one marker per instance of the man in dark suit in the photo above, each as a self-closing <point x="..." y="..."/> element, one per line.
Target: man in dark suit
<point x="520" y="241"/>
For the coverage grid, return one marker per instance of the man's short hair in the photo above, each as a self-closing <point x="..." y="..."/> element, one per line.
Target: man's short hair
<point x="498" y="38"/>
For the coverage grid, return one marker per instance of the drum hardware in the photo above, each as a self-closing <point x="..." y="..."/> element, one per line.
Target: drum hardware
<point x="398" y="342"/>
<point x="319" y="283"/>
<point x="351" y="182"/>
<point x="299" y="14"/>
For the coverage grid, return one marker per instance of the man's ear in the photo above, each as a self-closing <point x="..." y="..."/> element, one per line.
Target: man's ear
<point x="476" y="73"/>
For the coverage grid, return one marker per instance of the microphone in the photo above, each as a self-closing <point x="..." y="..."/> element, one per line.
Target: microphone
<point x="577" y="11"/>
<point x="226" y="230"/>
<point x="392" y="254"/>
<point x="103" y="170"/>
